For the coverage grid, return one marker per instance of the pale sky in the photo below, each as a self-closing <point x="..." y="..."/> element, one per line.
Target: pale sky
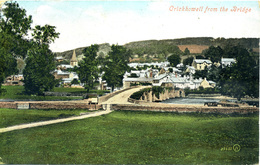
<point x="82" y="23"/>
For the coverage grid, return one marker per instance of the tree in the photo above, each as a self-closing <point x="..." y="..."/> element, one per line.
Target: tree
<point x="214" y="53"/>
<point x="37" y="73"/>
<point x="133" y="75"/>
<point x="40" y="62"/>
<point x="44" y="34"/>
<point x="116" y="65"/>
<point x="75" y="81"/>
<point x="14" y="26"/>
<point x="242" y="78"/>
<point x="174" y="59"/>
<point x="188" y="61"/>
<point x="15" y="21"/>
<point x="186" y="51"/>
<point x="3" y="67"/>
<point x="201" y="73"/>
<point x="213" y="73"/>
<point x="200" y="57"/>
<point x="170" y="70"/>
<point x="88" y="67"/>
<point x="20" y="65"/>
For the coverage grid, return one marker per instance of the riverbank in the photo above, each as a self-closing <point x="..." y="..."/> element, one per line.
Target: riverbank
<point x="219" y="96"/>
<point x="210" y="96"/>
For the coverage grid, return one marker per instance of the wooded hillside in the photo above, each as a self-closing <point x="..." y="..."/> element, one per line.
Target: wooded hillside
<point x="163" y="48"/>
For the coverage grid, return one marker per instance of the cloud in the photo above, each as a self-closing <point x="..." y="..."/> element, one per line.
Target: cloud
<point x="46" y="14"/>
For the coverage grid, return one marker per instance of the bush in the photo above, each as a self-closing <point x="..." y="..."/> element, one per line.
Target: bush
<point x="137" y="95"/>
<point x="155" y="90"/>
<point x="158" y="90"/>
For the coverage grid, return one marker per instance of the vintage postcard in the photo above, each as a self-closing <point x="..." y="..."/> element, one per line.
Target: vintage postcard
<point x="129" y="82"/>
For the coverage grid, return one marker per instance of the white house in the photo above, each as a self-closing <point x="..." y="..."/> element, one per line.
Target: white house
<point x="128" y="81"/>
<point x="180" y="65"/>
<point x="227" y="61"/>
<point x="156" y="64"/>
<point x="161" y="79"/>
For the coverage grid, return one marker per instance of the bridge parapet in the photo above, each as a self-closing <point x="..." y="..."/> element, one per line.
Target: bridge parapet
<point x="108" y="96"/>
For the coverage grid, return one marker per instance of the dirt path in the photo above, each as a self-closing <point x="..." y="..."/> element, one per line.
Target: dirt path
<point x="122" y="98"/>
<point x="43" y="123"/>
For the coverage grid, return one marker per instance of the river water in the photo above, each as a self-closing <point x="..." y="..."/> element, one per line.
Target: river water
<point x="188" y="101"/>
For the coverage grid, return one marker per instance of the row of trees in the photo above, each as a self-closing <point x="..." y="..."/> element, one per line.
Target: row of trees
<point x="175" y="57"/>
<point x="240" y="79"/>
<point x="15" y="27"/>
<point x="15" y="41"/>
<point x="228" y="51"/>
<point x="111" y="67"/>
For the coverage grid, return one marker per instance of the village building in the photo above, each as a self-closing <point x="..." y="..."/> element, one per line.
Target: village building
<point x="188" y="82"/>
<point x="217" y="64"/>
<point x="66" y="76"/>
<point x="155" y="64"/>
<point x="73" y="60"/>
<point x="71" y="77"/>
<point x="58" y="74"/>
<point x="64" y="67"/>
<point x="190" y="69"/>
<point x="127" y="82"/>
<point x="102" y="85"/>
<point x="14" y="80"/>
<point x="165" y="78"/>
<point x="180" y="65"/>
<point x="227" y="61"/>
<point x="140" y="77"/>
<point x="59" y="59"/>
<point x="201" y="64"/>
<point x="182" y="82"/>
<point x="212" y="84"/>
<point x="174" y="70"/>
<point x="206" y="84"/>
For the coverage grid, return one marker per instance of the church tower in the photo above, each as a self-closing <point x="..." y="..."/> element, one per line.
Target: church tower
<point x="73" y="60"/>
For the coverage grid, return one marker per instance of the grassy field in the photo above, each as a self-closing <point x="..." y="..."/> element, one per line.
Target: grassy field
<point x="137" y="138"/>
<point x="10" y="117"/>
<point x="16" y="93"/>
<point x="79" y="90"/>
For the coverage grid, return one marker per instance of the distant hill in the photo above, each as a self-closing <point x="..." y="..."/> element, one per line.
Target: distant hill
<point x="162" y="48"/>
<point x="198" y="44"/>
<point x="246" y="42"/>
<point x="103" y="49"/>
<point x="194" y="49"/>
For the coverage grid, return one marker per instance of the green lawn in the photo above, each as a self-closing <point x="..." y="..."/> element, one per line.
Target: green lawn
<point x="137" y="138"/>
<point x="15" y="92"/>
<point x="10" y="117"/>
<point x="79" y="90"/>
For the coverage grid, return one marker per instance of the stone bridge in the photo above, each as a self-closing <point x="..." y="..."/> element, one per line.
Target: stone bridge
<point x="121" y="101"/>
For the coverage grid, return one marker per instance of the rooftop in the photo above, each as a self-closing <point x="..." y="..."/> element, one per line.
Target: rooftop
<point x="200" y="61"/>
<point x="74" y="58"/>
<point x="228" y="60"/>
<point x="139" y="79"/>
